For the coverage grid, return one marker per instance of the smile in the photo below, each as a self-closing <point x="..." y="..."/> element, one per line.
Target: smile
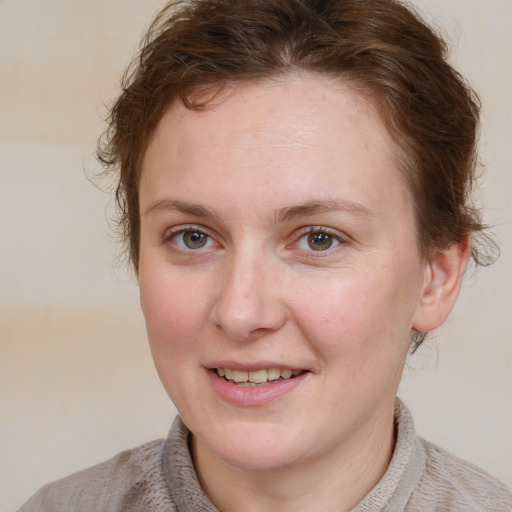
<point x="257" y="377"/>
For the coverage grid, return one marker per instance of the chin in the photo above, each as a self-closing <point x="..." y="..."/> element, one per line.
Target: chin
<point x="254" y="447"/>
<point x="264" y="459"/>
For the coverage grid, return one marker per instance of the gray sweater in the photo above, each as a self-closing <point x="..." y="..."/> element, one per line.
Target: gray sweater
<point x="160" y="477"/>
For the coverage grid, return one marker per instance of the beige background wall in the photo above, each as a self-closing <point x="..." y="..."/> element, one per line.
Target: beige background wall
<point x="76" y="378"/>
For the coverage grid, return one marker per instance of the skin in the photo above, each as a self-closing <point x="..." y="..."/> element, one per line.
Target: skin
<point x="256" y="173"/>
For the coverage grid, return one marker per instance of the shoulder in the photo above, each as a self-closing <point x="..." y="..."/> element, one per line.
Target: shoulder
<point x="450" y="483"/>
<point x="108" y="486"/>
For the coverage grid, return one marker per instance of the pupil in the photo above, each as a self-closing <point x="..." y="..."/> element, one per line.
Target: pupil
<point x="194" y="240"/>
<point x="319" y="241"/>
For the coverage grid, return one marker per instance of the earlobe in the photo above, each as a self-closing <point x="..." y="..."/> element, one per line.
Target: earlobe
<point x="443" y="279"/>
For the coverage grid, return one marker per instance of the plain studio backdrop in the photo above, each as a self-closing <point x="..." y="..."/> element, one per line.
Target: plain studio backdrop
<point x="77" y="383"/>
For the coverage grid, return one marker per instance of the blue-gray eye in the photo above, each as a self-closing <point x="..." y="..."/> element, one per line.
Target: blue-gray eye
<point x="193" y="240"/>
<point x="318" y="241"/>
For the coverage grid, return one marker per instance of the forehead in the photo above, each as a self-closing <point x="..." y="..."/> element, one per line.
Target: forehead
<point x="294" y="136"/>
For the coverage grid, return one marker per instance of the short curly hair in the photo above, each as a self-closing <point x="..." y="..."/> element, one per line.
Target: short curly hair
<point x="381" y="47"/>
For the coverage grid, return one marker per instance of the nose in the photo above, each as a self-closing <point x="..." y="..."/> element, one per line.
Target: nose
<point x="249" y="300"/>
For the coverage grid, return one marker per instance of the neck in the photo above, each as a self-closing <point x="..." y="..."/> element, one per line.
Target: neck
<point x="334" y="481"/>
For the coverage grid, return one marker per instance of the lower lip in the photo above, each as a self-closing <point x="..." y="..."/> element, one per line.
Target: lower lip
<point x="245" y="396"/>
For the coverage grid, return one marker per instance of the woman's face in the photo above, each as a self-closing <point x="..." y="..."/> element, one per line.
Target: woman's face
<point x="277" y="236"/>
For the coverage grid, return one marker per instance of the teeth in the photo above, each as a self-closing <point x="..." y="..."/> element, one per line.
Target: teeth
<point x="240" y="376"/>
<point x="257" y="376"/>
<point x="273" y="373"/>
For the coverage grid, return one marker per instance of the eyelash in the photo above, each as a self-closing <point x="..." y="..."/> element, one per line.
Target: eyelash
<point x="334" y="237"/>
<point x="170" y="238"/>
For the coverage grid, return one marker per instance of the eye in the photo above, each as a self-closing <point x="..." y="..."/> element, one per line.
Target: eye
<point x="318" y="240"/>
<point x="191" y="239"/>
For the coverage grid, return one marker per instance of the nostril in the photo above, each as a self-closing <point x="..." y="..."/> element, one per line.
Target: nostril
<point x="246" y="306"/>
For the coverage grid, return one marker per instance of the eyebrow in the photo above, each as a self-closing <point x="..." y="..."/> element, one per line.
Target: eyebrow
<point x="181" y="207"/>
<point x="282" y="215"/>
<point x="322" y="206"/>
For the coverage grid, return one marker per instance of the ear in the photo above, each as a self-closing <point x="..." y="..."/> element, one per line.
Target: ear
<point x="443" y="279"/>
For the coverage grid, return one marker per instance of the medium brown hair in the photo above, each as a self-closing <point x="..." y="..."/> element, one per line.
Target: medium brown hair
<point x="382" y="47"/>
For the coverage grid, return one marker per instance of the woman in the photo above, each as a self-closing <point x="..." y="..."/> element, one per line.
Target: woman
<point x="293" y="182"/>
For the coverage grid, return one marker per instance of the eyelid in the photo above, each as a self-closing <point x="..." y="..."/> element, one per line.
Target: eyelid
<point x="308" y="230"/>
<point x="342" y="238"/>
<point x="175" y="231"/>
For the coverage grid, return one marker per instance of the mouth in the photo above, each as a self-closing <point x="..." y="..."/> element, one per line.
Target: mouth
<point x="256" y="378"/>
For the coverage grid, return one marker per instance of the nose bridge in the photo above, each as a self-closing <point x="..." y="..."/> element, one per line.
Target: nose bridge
<point x="247" y="302"/>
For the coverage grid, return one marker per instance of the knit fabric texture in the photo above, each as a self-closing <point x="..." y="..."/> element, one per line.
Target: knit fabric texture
<point x="160" y="477"/>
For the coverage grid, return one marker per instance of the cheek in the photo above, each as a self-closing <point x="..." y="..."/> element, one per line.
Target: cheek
<point x="175" y="308"/>
<point x="175" y="305"/>
<point x="356" y="315"/>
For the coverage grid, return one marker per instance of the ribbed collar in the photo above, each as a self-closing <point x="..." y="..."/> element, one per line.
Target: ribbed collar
<point x="394" y="489"/>
<point x="391" y="494"/>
